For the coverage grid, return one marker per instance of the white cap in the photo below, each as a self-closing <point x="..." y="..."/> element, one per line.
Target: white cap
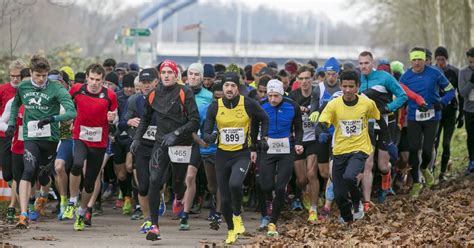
<point x="275" y="85"/>
<point x="197" y="67"/>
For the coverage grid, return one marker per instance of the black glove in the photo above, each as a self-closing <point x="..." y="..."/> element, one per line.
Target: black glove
<point x="423" y="108"/>
<point x="438" y="106"/>
<point x="210" y="138"/>
<point x="45" y="121"/>
<point x="460" y="121"/>
<point x="264" y="145"/>
<point x="384" y="110"/>
<point x="134" y="147"/>
<point x="169" y="139"/>
<point x="10" y="132"/>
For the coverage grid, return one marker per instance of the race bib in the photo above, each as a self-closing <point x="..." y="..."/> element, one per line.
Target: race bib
<point x="150" y="133"/>
<point x="35" y="132"/>
<point x="350" y="127"/>
<point x="91" y="134"/>
<point x="308" y="125"/>
<point x="424" y="116"/>
<point x="20" y="133"/>
<point x="232" y="136"/>
<point x="278" y="146"/>
<point x="376" y="125"/>
<point x="180" y="154"/>
<point x="471" y="96"/>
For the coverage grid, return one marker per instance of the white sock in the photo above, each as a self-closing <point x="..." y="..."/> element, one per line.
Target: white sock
<point x="73" y="200"/>
<point x="81" y="211"/>
<point x="314" y="208"/>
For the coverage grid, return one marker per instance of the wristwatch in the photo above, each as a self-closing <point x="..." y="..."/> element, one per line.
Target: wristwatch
<point x="176" y="132"/>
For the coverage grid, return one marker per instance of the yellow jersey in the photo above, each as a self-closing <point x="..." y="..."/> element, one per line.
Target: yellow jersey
<point x="233" y="126"/>
<point x="351" y="124"/>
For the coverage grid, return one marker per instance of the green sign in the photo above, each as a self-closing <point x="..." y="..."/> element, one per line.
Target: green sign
<point x="140" y="32"/>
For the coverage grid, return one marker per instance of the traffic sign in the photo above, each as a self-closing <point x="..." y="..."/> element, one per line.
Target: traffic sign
<point x="144" y="32"/>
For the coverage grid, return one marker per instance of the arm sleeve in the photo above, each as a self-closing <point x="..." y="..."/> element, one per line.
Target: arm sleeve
<point x="297" y="125"/>
<point x="373" y="112"/>
<point x="448" y="89"/>
<point x="127" y="114"/>
<point x="396" y="89"/>
<point x="315" y="99"/>
<point x="327" y="116"/>
<point x="192" y="113"/>
<point x="413" y="96"/>
<point x="259" y="118"/>
<point x="210" y="120"/>
<point x="65" y="100"/>
<point x="465" y="86"/>
<point x="14" y="109"/>
<point x="5" y="116"/>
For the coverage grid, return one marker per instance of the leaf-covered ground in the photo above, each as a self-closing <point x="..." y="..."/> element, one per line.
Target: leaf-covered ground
<point x="443" y="217"/>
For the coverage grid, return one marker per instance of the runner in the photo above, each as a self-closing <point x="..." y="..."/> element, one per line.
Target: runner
<point x="133" y="115"/>
<point x="96" y="108"/>
<point x="381" y="87"/>
<point x="233" y="115"/>
<point x="7" y="92"/>
<point x="284" y="119"/>
<point x="466" y="89"/>
<point x="41" y="99"/>
<point x="177" y="117"/>
<point x="306" y="163"/>
<point x="349" y="114"/>
<point x="422" y="126"/>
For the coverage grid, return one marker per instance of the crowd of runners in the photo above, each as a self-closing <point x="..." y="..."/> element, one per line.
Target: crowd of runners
<point x="223" y="138"/>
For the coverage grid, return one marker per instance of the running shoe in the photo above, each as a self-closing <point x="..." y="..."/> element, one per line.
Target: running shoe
<point x="137" y="214"/>
<point x="162" y="209"/>
<point x="69" y="212"/>
<point x="62" y="209"/>
<point x="127" y="206"/>
<point x="88" y="217"/>
<point x="22" y="222"/>
<point x="238" y="224"/>
<point x="178" y="207"/>
<point x="366" y="207"/>
<point x="306" y="201"/>
<point x="324" y="213"/>
<point x="296" y="205"/>
<point x="215" y="222"/>
<point x="470" y="168"/>
<point x="183" y="224"/>
<point x="97" y="209"/>
<point x="231" y="237"/>
<point x="154" y="233"/>
<point x="118" y="203"/>
<point x="10" y="215"/>
<point x="33" y="215"/>
<point x="79" y="223"/>
<point x="145" y="227"/>
<point x="108" y="192"/>
<point x="429" y="179"/>
<point x="313" y="217"/>
<point x="40" y="203"/>
<point x="264" y="221"/>
<point x="415" y="190"/>
<point x="272" y="232"/>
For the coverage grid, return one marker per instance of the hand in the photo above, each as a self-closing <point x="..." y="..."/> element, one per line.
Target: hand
<point x="438" y="106"/>
<point x="460" y="121"/>
<point x="314" y="116"/>
<point x="45" y="121"/>
<point x="111" y="116"/>
<point x="304" y="109"/>
<point x="210" y="138"/>
<point x="10" y="132"/>
<point x="169" y="139"/>
<point x="264" y="145"/>
<point x="253" y="157"/>
<point x="323" y="137"/>
<point x="135" y="122"/>
<point x="299" y="149"/>
<point x="423" y="107"/>
<point x="392" y="150"/>
<point x="134" y="147"/>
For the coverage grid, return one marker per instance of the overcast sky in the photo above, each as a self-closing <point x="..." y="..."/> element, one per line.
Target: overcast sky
<point x="336" y="10"/>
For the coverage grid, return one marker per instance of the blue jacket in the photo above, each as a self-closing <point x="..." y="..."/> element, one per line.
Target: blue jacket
<point x="203" y="97"/>
<point x="212" y="148"/>
<point x="384" y="83"/>
<point x="284" y="119"/>
<point x="428" y="84"/>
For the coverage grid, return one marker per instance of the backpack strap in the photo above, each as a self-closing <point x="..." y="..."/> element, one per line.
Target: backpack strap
<point x="182" y="96"/>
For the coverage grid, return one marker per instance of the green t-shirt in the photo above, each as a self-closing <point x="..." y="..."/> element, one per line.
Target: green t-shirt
<point x="40" y="104"/>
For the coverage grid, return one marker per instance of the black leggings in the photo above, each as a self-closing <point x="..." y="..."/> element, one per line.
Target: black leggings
<point x="94" y="157"/>
<point x="469" y="118"/>
<point x="17" y="169"/>
<point x="447" y="125"/>
<point x="38" y="158"/>
<point x="142" y="166"/>
<point x="269" y="165"/>
<point x="231" y="168"/>
<point x="6" y="158"/>
<point x="421" y="135"/>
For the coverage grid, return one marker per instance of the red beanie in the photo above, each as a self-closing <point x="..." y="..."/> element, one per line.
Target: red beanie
<point x="171" y="64"/>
